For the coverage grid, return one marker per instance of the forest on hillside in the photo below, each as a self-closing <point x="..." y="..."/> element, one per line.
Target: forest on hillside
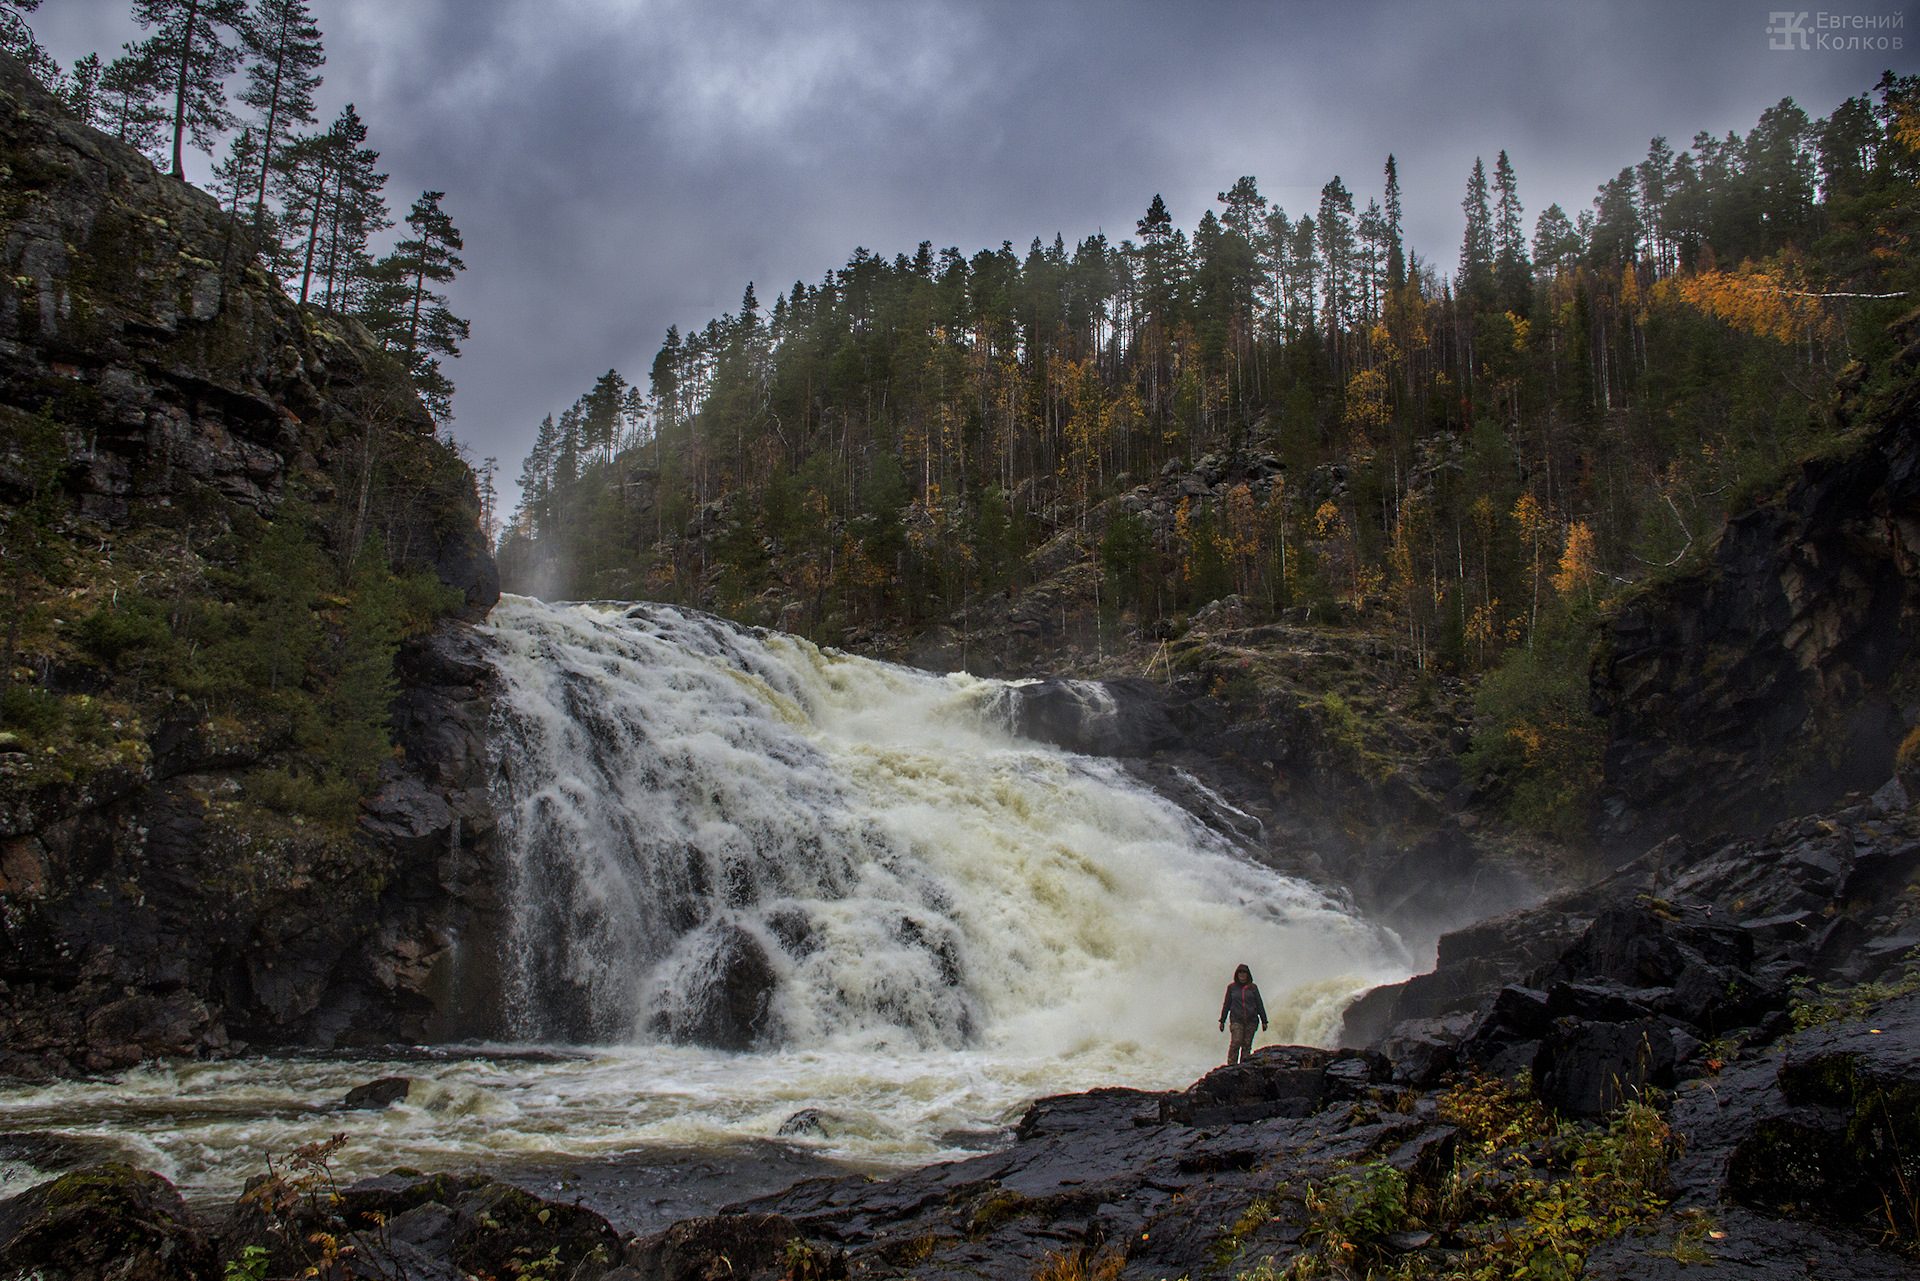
<point x="1294" y="408"/>
<point x="1548" y="417"/>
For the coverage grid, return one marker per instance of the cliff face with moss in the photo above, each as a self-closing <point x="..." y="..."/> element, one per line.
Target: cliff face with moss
<point x="1781" y="674"/>
<point x="204" y="837"/>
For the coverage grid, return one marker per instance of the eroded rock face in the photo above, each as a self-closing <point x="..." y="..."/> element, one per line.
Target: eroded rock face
<point x="149" y="910"/>
<point x="1126" y="718"/>
<point x="1777" y="670"/>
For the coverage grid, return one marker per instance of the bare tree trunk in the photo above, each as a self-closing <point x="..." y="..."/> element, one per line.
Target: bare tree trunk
<point x="180" y="87"/>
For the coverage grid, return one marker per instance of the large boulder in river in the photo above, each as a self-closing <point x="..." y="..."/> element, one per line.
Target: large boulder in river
<point x="106" y="1220"/>
<point x="726" y="996"/>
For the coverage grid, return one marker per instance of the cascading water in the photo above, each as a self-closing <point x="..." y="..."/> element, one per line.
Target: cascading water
<point x="737" y="839"/>
<point x="914" y="920"/>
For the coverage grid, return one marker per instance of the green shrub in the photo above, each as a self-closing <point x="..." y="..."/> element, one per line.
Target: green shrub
<point x="112" y="631"/>
<point x="327" y="800"/>
<point x="31" y="711"/>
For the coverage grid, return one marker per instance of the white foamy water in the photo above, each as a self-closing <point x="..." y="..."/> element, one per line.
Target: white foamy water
<point x="907" y="917"/>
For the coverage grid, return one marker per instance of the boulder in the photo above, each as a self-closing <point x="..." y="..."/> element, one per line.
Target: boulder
<point x="726" y="1246"/>
<point x="408" y="1224"/>
<point x="1280" y="1080"/>
<point x="107" y="1220"/>
<point x="728" y="1001"/>
<point x="375" y="1095"/>
<point x="1588" y="1068"/>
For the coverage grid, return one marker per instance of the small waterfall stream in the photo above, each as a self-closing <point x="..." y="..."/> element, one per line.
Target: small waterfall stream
<point x="734" y="838"/>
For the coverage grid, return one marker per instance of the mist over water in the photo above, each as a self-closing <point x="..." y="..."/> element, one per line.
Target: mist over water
<point x="905" y="916"/>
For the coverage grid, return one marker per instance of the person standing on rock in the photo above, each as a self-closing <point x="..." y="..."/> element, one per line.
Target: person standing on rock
<point x="1242" y="1008"/>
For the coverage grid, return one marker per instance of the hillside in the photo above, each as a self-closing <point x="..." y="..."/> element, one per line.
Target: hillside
<point x="225" y="518"/>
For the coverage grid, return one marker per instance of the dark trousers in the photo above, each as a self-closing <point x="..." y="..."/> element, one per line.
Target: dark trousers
<point x="1240" y="1040"/>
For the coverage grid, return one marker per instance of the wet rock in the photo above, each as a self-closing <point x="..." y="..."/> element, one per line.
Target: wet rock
<point x="730" y="1011"/>
<point x="1287" y="1080"/>
<point x="1127" y="718"/>
<point x="1746" y="1245"/>
<point x="1424" y="1050"/>
<point x="143" y="1026"/>
<point x="1776" y="668"/>
<point x="1111" y="1109"/>
<point x="375" y="1095"/>
<point x="1852" y="1092"/>
<point x="1587" y="1068"/>
<point x="722" y="1247"/>
<point x="805" y="1121"/>
<point x="501" y="1226"/>
<point x="106" y="1220"/>
<point x="414" y="1225"/>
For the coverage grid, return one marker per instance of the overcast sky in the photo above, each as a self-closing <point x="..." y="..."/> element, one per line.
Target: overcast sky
<point x="621" y="165"/>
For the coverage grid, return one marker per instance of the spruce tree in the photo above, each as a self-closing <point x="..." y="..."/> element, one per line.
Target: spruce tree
<point x="188" y="44"/>
<point x="357" y="703"/>
<point x="283" y="46"/>
<point x="1335" y="230"/>
<point x="1555" y="243"/>
<point x="1512" y="274"/>
<point x="1396" y="253"/>
<point x="1476" y="250"/>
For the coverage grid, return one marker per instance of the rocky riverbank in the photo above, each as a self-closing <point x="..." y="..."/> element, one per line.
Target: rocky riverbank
<point x="1713" y="1056"/>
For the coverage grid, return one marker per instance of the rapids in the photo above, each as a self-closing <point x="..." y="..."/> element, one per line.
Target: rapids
<point x="754" y="876"/>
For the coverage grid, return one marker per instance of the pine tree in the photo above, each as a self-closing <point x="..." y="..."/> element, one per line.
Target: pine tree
<point x="17" y="38"/>
<point x="130" y="90"/>
<point x="329" y="184"/>
<point x="187" y="43"/>
<point x="601" y="409"/>
<point x="80" y="90"/>
<point x="1512" y="273"/>
<point x="283" y="46"/>
<point x="403" y="309"/>
<point x="233" y="177"/>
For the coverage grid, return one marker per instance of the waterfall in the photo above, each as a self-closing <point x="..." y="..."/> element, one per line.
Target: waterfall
<point x="731" y="837"/>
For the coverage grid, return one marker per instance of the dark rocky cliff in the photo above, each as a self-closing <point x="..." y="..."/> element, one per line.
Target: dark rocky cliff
<point x="1782" y="674"/>
<point x="147" y="904"/>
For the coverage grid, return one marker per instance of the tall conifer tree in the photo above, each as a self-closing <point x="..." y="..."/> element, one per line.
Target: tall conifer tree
<point x="1512" y="274"/>
<point x="1396" y="252"/>
<point x="1476" y="284"/>
<point x="187" y="43"/>
<point x="283" y="46"/>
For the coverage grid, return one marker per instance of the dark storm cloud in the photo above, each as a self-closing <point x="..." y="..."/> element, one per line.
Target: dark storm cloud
<point x="618" y="166"/>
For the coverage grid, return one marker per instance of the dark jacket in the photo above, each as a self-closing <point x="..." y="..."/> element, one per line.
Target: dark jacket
<point x="1243" y="1004"/>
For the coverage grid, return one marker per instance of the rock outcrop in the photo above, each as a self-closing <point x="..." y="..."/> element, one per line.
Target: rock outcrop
<point x="150" y="906"/>
<point x="1783" y="670"/>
